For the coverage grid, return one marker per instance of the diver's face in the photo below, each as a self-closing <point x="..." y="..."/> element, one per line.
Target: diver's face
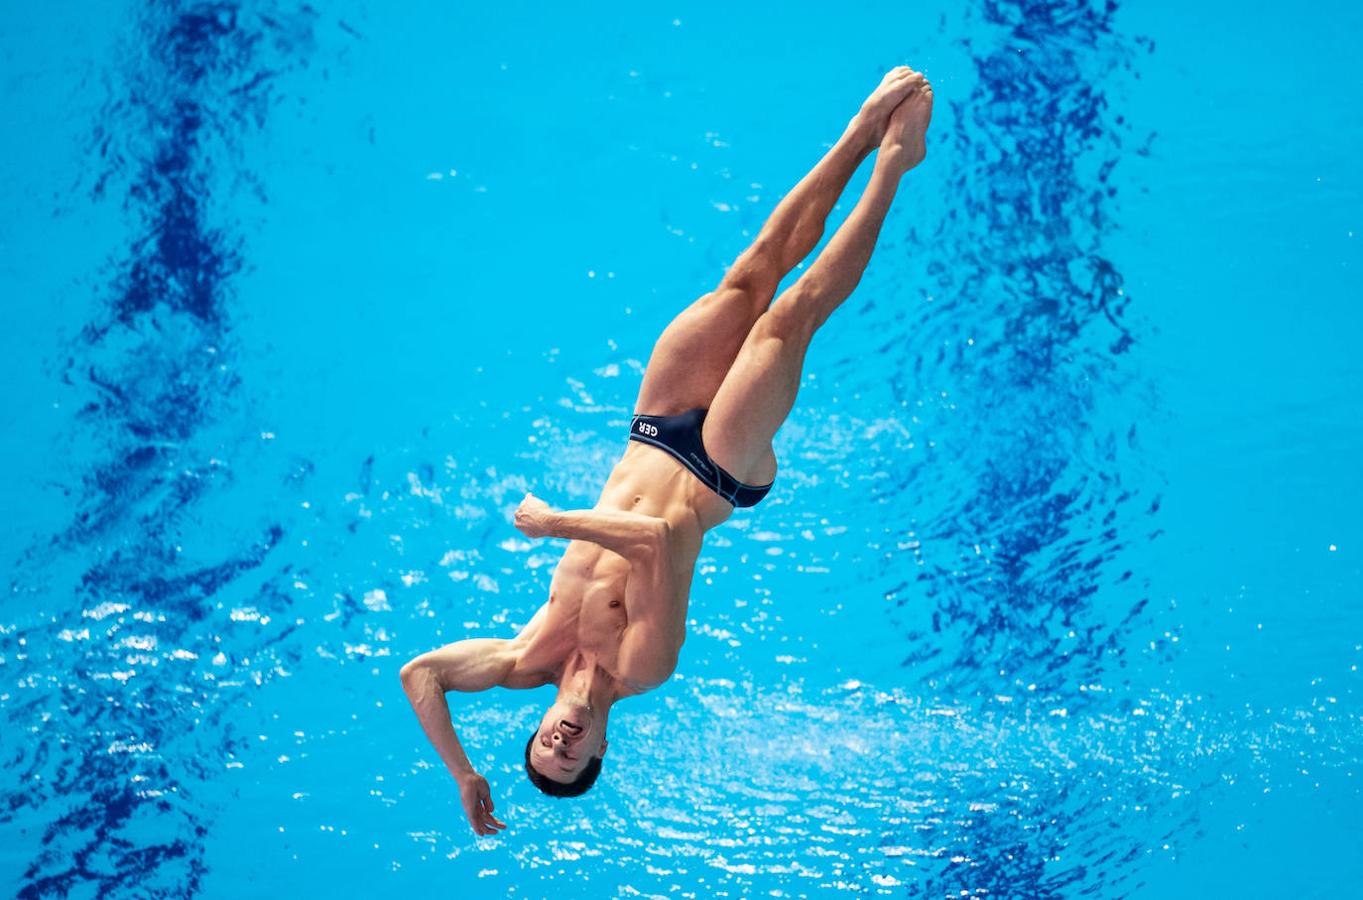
<point x="568" y="737"/>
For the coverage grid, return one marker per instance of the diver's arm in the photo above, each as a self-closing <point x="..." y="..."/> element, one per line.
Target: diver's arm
<point x="635" y="537"/>
<point x="473" y="665"/>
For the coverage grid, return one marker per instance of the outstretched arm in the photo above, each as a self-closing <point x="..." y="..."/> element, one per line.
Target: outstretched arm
<point x="473" y="665"/>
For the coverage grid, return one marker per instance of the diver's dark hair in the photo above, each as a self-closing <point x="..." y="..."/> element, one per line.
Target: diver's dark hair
<point x="558" y="788"/>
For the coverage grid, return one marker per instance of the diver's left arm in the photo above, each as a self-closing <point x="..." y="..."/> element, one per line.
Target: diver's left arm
<point x="466" y="666"/>
<point x="632" y="535"/>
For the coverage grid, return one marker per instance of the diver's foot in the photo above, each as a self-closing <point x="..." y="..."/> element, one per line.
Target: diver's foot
<point x="874" y="116"/>
<point x="904" y="141"/>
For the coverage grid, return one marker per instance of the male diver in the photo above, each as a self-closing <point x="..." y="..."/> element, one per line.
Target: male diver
<point x="722" y="379"/>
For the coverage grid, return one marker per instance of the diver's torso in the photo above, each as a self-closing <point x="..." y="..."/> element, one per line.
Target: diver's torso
<point x="586" y="610"/>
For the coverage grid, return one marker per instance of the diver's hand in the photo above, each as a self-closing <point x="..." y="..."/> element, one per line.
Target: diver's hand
<point x="533" y="517"/>
<point x="477" y="799"/>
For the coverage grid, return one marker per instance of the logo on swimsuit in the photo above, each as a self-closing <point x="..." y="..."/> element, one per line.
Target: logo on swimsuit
<point x="650" y="430"/>
<point x="702" y="464"/>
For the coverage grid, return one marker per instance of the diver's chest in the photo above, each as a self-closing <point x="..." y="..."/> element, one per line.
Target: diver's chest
<point x="602" y="619"/>
<point x="592" y="590"/>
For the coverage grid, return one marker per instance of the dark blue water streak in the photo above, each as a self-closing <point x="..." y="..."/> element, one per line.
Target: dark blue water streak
<point x="127" y="598"/>
<point x="1019" y="479"/>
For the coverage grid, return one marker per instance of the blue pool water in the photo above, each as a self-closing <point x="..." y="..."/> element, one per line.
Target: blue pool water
<point x="1057" y="594"/>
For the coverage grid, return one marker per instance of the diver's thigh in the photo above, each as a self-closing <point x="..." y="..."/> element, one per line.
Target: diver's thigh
<point x="694" y="353"/>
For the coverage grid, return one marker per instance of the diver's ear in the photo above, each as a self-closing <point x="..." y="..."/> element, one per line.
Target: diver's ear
<point x="602" y="752"/>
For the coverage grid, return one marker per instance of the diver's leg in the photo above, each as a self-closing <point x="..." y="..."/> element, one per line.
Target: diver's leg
<point x="759" y="391"/>
<point x="695" y="352"/>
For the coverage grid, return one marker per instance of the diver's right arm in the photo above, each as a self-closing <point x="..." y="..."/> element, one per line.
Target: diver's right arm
<point x="473" y="665"/>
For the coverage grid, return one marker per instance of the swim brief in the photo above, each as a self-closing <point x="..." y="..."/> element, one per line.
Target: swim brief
<point x="679" y="435"/>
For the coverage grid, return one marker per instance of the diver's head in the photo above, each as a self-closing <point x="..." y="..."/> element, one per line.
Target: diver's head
<point x="563" y="755"/>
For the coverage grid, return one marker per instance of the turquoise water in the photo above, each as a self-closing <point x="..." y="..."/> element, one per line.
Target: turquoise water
<point x="1058" y="590"/>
